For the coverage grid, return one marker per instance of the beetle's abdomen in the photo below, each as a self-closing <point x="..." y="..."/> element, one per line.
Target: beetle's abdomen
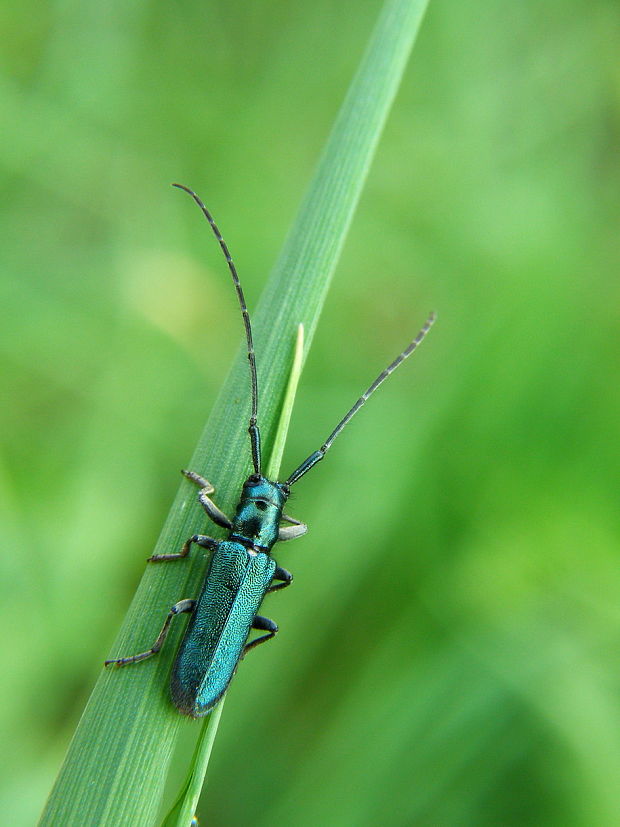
<point x="219" y="627"/>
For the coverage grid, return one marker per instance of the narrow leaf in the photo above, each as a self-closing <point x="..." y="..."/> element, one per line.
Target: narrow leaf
<point x="116" y="766"/>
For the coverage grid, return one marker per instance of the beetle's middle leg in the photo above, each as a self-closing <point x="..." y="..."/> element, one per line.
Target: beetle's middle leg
<point x="199" y="539"/>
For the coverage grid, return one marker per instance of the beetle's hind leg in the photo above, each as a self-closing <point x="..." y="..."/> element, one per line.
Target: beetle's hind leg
<point x="178" y="608"/>
<point x="264" y="625"/>
<point x="280" y="574"/>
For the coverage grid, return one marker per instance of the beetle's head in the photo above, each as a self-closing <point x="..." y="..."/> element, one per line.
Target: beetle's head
<point x="259" y="512"/>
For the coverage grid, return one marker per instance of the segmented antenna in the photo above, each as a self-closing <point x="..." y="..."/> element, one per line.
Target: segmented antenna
<point x="253" y="427"/>
<point x="317" y="456"/>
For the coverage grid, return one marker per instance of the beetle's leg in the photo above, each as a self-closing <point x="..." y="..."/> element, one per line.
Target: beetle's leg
<point x="290" y="532"/>
<point x="214" y="513"/>
<point x="200" y="481"/>
<point x="264" y="624"/>
<point x="178" y="608"/>
<point x="288" y="519"/>
<point x="281" y="574"/>
<point x="218" y="517"/>
<point x="200" y="539"/>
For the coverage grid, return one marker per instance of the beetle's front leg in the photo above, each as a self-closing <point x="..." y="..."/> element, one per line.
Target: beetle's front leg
<point x="291" y="532"/>
<point x="199" y="480"/>
<point x="214" y="513"/>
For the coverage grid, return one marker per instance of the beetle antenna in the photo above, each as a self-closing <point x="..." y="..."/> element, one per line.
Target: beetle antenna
<point x="317" y="456"/>
<point x="253" y="427"/>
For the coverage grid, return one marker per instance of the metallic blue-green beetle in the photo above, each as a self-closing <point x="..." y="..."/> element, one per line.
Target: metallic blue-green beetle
<point x="242" y="570"/>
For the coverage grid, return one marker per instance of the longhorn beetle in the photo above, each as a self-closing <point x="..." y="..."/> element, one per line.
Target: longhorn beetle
<point x="242" y="570"/>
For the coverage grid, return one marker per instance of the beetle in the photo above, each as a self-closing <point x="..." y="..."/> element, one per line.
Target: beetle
<point x="242" y="570"/>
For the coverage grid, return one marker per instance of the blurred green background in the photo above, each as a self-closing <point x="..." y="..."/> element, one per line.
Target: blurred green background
<point x="449" y="651"/>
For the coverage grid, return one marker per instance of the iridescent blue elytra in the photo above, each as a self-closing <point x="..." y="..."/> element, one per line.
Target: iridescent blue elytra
<point x="220" y="623"/>
<point x="241" y="570"/>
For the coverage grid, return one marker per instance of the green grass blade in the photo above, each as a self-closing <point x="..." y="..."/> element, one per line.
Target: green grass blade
<point x="273" y="467"/>
<point x="116" y="766"/>
<point x="185" y="807"/>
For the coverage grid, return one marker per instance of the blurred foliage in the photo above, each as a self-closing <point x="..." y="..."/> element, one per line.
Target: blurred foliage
<point x="448" y="654"/>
